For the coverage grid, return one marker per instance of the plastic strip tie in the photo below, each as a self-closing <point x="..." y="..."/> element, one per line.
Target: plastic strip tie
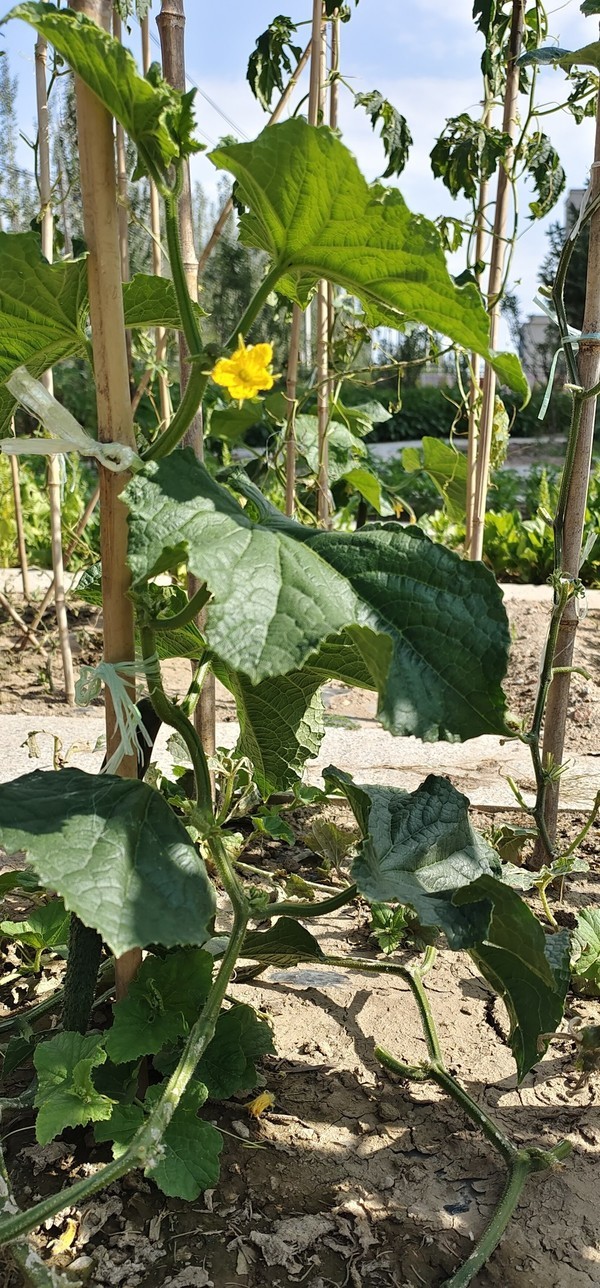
<point x="572" y="337"/>
<point x="67" y="435"/>
<point x="127" y="714"/>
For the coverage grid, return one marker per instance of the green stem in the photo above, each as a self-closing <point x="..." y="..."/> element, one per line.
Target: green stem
<point x="518" y="1175"/>
<point x="186" y="615"/>
<point x="294" y="909"/>
<point x="566" y="477"/>
<point x="185" y="303"/>
<point x="142" y="1151"/>
<point x="256" y="303"/>
<point x="188" y="406"/>
<point x="413" y="978"/>
<point x="35" y="1273"/>
<point x="172" y="715"/>
<point x="193" y="394"/>
<point x="546" y="906"/>
<point x="584" y="831"/>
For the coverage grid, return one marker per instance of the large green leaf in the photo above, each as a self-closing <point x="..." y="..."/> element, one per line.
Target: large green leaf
<point x="423" y="627"/>
<point x="447" y="623"/>
<point x="419" y="848"/>
<point x="314" y="214"/>
<point x="151" y="301"/>
<point x="284" y="944"/>
<point x="190" y="1148"/>
<point x="345" y="448"/>
<point x="281" y="723"/>
<point x="114" y="851"/>
<point x="42" y="311"/>
<point x="446" y="467"/>
<point x="587" y="56"/>
<point x="228" y="1064"/>
<point x="273" y="599"/>
<point x="529" y="969"/>
<point x="184" y="641"/>
<point x="162" y="1003"/>
<point x="66" y="1095"/>
<point x="157" y="118"/>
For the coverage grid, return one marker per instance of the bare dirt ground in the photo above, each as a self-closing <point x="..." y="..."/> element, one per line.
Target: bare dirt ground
<point x="353" y="1178"/>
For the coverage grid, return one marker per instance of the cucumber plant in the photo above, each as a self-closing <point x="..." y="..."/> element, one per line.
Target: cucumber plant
<point x="287" y="607"/>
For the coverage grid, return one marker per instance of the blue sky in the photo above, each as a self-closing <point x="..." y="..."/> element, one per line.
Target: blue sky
<point x="422" y="54"/>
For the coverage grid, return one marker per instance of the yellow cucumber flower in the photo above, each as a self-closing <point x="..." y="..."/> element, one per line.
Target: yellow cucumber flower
<point x="256" y="1107"/>
<point x="247" y="370"/>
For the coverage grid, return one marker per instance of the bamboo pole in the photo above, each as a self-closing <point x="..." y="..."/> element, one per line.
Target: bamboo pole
<point x="316" y="108"/>
<point x="555" y="720"/>
<point x="160" y="334"/>
<point x="274" y="117"/>
<point x="291" y="393"/>
<point x="22" y="548"/>
<point x="123" y="199"/>
<point x="54" y="462"/>
<point x="474" y="392"/>
<point x="115" y="422"/>
<point x="27" y="630"/>
<point x="334" y="66"/>
<point x="171" y="29"/>
<point x="509" y="126"/>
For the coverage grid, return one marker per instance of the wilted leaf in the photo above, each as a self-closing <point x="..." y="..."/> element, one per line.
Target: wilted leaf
<point x="529" y="969"/>
<point x="419" y="848"/>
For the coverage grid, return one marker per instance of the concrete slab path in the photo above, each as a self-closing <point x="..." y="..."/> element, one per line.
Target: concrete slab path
<point x="478" y="768"/>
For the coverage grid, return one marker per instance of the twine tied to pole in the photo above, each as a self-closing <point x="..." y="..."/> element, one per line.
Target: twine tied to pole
<point x="127" y="714"/>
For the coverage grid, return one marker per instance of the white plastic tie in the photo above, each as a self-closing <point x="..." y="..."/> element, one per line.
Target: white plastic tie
<point x="67" y="435"/>
<point x="127" y="714"/>
<point x="573" y="336"/>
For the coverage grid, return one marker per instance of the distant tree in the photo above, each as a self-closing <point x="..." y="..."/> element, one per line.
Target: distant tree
<point x="229" y="281"/>
<point x="18" y="203"/>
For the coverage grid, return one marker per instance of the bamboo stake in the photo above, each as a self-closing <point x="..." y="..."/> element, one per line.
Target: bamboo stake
<point x="27" y="630"/>
<point x="291" y="392"/>
<point x="555" y="721"/>
<point x="22" y="548"/>
<point x="54" y="462"/>
<point x="509" y="126"/>
<point x="316" y="107"/>
<point x="274" y="117"/>
<point x="123" y="199"/>
<point x="333" y="122"/>
<point x="115" y="422"/>
<point x="160" y="334"/>
<point x="171" y="29"/>
<point x="474" y="408"/>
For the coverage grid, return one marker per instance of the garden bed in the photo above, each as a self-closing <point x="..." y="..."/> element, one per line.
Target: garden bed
<point x="351" y="1177"/>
